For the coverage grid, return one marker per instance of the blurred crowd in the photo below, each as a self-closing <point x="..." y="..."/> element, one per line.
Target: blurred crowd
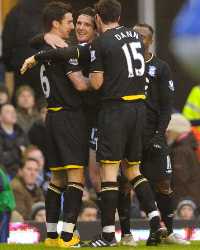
<point x="23" y="172"/>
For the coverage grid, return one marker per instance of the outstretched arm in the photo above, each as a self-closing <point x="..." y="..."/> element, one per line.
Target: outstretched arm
<point x="63" y="54"/>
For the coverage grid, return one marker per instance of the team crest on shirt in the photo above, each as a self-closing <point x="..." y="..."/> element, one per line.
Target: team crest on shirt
<point x="73" y="61"/>
<point x="152" y="71"/>
<point x="171" y="85"/>
<point x="92" y="55"/>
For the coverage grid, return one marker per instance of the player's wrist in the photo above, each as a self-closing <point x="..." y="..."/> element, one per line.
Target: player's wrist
<point x="38" y="56"/>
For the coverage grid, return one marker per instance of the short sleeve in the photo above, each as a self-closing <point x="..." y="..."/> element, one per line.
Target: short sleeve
<point x="96" y="56"/>
<point x="73" y="64"/>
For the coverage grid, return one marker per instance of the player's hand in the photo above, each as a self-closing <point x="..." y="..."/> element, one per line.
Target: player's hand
<point x="28" y="64"/>
<point x="157" y="144"/>
<point x="55" y="41"/>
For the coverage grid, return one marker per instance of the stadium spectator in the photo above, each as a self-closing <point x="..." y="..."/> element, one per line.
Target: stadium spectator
<point x="12" y="140"/>
<point x="38" y="213"/>
<point x="25" y="188"/>
<point x="7" y="204"/>
<point x="186" y="171"/>
<point x="34" y="152"/>
<point x="36" y="133"/>
<point x="27" y="113"/>
<point x="88" y="212"/>
<point x="15" y="45"/>
<point x="4" y="98"/>
<point x="186" y="210"/>
<point x="191" y="109"/>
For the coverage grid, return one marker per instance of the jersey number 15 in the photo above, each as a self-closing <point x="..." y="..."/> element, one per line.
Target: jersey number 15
<point x="132" y="49"/>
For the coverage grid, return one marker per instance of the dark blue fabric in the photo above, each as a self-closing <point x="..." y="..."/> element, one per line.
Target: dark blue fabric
<point x="1" y="73"/>
<point x="187" y="22"/>
<point x="4" y="226"/>
<point x="1" y="183"/>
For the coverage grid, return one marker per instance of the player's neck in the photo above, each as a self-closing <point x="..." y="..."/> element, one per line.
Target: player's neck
<point x="56" y="32"/>
<point x="148" y="56"/>
<point x="109" y="26"/>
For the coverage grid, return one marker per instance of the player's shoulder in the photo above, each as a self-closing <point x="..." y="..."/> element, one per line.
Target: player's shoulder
<point x="83" y="50"/>
<point x="162" y="63"/>
<point x="122" y="32"/>
<point x="155" y="66"/>
<point x="44" y="46"/>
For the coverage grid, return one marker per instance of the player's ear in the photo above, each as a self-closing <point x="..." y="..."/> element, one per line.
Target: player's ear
<point x="151" y="40"/>
<point x="55" y="24"/>
<point x="119" y="19"/>
<point x="96" y="17"/>
<point x="97" y="21"/>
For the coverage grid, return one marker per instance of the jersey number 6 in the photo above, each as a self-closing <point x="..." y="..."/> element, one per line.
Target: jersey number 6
<point x="44" y="81"/>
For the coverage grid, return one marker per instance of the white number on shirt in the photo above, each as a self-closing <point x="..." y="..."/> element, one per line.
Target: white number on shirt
<point x="44" y="81"/>
<point x="129" y="49"/>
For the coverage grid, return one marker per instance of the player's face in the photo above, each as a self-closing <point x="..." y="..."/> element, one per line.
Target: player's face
<point x="145" y="34"/>
<point x="66" y="25"/>
<point x="85" y="31"/>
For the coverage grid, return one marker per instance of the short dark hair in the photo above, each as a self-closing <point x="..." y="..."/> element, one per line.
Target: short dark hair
<point x="88" y="11"/>
<point x="145" y="25"/>
<point x="54" y="11"/>
<point x="108" y="10"/>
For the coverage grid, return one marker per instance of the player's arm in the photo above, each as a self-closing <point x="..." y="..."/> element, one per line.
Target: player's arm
<point x="96" y="80"/>
<point x="63" y="54"/>
<point x="96" y="67"/>
<point x="80" y="82"/>
<point x="58" y="54"/>
<point x="74" y="73"/>
<point x="166" y="93"/>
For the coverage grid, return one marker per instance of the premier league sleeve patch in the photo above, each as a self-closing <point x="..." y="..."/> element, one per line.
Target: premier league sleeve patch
<point x="93" y="55"/>
<point x="171" y="85"/>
